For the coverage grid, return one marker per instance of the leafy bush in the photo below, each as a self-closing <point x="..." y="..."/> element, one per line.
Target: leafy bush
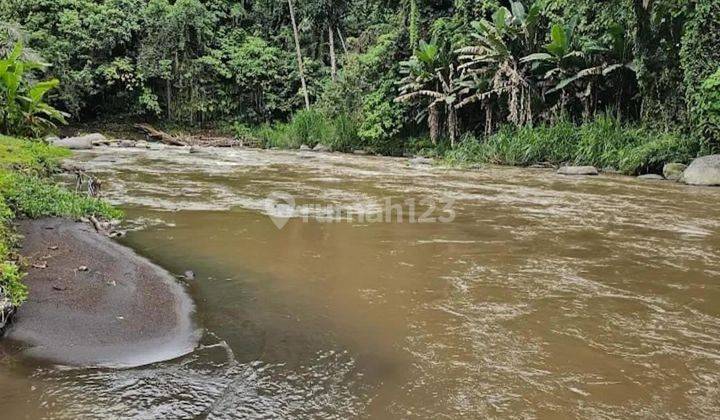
<point x="708" y="110"/>
<point x="11" y="284"/>
<point x="23" y="111"/>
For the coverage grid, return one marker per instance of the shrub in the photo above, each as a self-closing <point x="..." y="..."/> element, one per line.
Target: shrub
<point x="11" y="284"/>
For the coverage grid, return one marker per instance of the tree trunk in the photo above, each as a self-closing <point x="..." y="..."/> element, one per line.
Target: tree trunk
<point x="333" y="60"/>
<point x="414" y="24"/>
<point x="301" y="67"/>
<point x="644" y="44"/>
<point x="452" y="125"/>
<point x="434" y="123"/>
<point x="342" y="41"/>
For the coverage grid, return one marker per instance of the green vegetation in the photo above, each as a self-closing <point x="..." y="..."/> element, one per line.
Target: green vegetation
<point x="24" y="190"/>
<point x="23" y="110"/>
<point x="603" y="142"/>
<point x="380" y="75"/>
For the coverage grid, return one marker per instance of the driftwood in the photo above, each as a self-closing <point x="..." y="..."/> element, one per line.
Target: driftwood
<point x="157" y="135"/>
<point x="153" y="134"/>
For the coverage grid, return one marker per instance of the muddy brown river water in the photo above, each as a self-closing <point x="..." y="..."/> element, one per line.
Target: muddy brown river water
<point x="544" y="297"/>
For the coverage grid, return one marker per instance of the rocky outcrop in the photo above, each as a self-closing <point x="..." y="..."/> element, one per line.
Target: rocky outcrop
<point x="703" y="171"/>
<point x="674" y="171"/>
<point x="81" y="142"/>
<point x="578" y="170"/>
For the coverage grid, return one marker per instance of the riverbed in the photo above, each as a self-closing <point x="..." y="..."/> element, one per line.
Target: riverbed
<point x="341" y="286"/>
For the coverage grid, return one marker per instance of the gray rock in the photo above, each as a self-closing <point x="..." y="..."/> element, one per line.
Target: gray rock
<point x="611" y="171"/>
<point x="419" y="160"/>
<point x="81" y="142"/>
<point x="360" y="152"/>
<point x="189" y="275"/>
<point x="651" y="177"/>
<point x="142" y="144"/>
<point x="126" y="143"/>
<point x="578" y="170"/>
<point x="194" y="149"/>
<point x="7" y="310"/>
<point x="674" y="171"/>
<point x="542" y="165"/>
<point x="52" y="139"/>
<point x="321" y="148"/>
<point x="74" y="143"/>
<point x="703" y="171"/>
<point x="305" y="147"/>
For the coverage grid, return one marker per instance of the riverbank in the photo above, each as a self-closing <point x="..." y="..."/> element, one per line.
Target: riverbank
<point x="93" y="302"/>
<point x="75" y="296"/>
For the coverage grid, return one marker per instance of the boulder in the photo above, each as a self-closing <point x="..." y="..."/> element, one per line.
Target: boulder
<point x="75" y="143"/>
<point x="674" y="171"/>
<point x="142" y="144"/>
<point x="194" y="149"/>
<point x="578" y="170"/>
<point x="651" y="177"/>
<point x="321" y="148"/>
<point x="360" y="152"/>
<point x="703" y="171"/>
<point x="305" y="147"/>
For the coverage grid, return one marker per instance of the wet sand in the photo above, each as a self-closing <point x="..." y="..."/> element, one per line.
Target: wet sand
<point x="95" y="303"/>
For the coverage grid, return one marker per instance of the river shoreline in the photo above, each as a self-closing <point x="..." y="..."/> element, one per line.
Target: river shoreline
<point x="96" y="303"/>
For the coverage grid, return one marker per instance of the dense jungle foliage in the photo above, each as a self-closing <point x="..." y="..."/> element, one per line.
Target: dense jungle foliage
<point x="408" y="76"/>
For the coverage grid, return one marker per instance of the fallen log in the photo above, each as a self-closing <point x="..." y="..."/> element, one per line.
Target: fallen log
<point x="152" y="134"/>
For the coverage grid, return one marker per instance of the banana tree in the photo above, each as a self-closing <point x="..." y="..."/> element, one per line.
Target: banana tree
<point x="23" y="110"/>
<point x="431" y="81"/>
<point x="574" y="68"/>
<point x="492" y="67"/>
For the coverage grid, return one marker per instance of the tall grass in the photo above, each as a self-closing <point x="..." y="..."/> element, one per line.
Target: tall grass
<point x="603" y="142"/>
<point x="308" y="127"/>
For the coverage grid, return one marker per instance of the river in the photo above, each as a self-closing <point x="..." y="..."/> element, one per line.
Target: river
<point x="524" y="294"/>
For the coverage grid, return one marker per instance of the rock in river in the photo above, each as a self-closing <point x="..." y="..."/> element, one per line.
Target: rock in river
<point x="81" y="142"/>
<point x="321" y="148"/>
<point x="703" y="171"/>
<point x="578" y="170"/>
<point x="674" y="171"/>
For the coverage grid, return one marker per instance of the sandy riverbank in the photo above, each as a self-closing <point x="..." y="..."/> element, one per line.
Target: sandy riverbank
<point x="96" y="303"/>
